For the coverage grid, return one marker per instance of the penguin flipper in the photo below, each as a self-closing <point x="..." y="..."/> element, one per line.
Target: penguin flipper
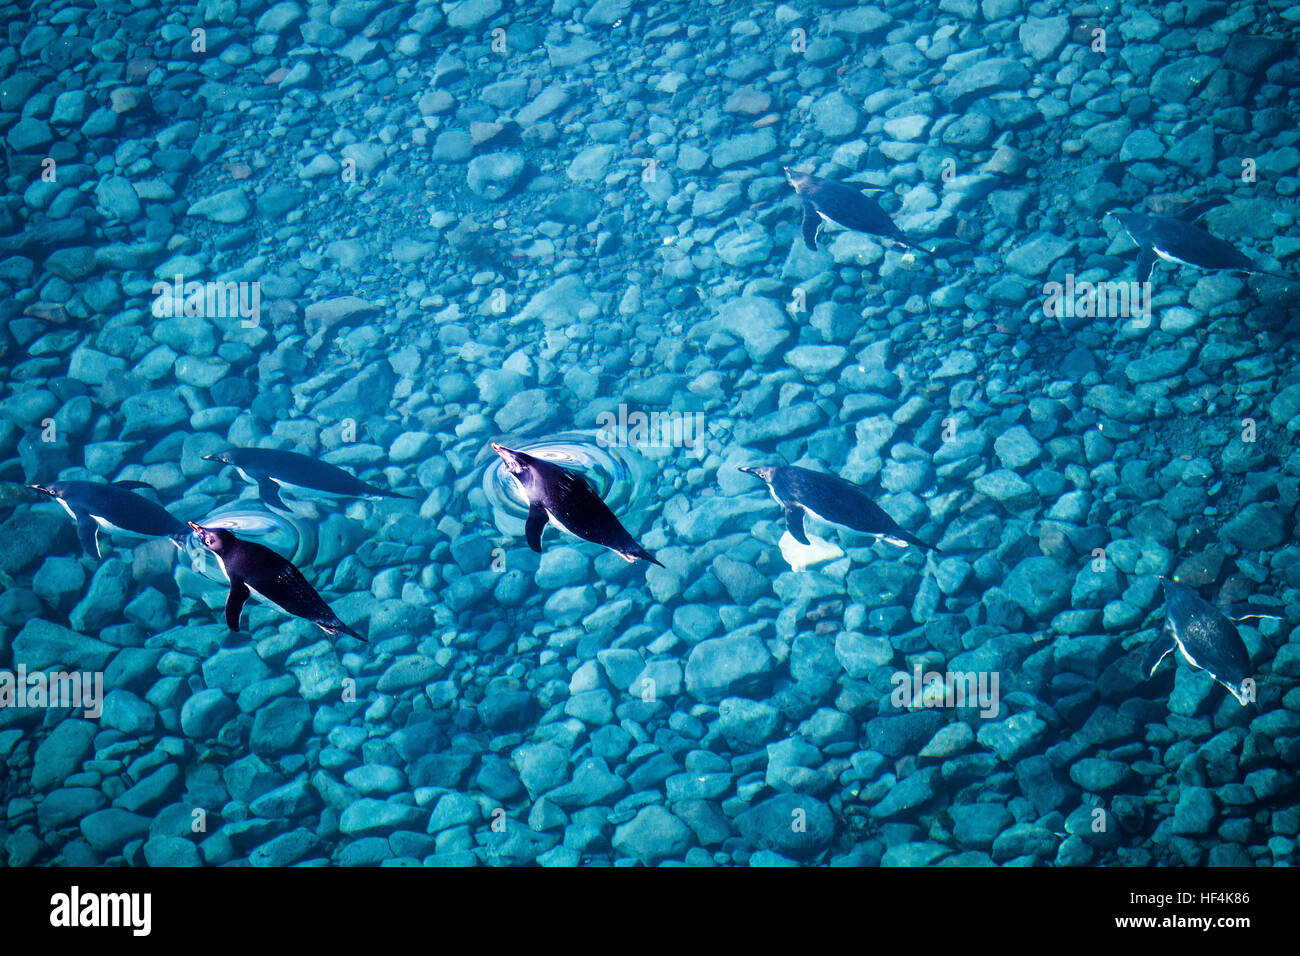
<point x="794" y="521"/>
<point x="1156" y="652"/>
<point x="235" y="602"/>
<point x="537" y="518"/>
<point x="1246" y="611"/>
<point x="811" y="223"/>
<point x="88" y="534"/>
<point x="270" y="493"/>
<point x="1146" y="262"/>
<point x="1198" y="209"/>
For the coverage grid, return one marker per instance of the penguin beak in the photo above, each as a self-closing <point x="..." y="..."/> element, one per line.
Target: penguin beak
<point x="198" y="529"/>
<point x="507" y="456"/>
<point x="43" y="490"/>
<point x="211" y="458"/>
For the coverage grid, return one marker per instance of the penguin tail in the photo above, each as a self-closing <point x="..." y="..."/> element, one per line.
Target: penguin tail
<point x="341" y="628"/>
<point x="375" y="492"/>
<point x="639" y="553"/>
<point x="914" y="540"/>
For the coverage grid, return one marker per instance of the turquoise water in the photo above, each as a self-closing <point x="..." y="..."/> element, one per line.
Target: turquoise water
<point x="386" y="236"/>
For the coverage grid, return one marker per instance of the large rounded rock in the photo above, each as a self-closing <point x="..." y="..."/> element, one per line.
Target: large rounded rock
<point x="794" y="825"/>
<point x="652" y="835"/>
<point x="493" y="175"/>
<point x="280" y="725"/>
<point x="737" y="665"/>
<point x="203" y="714"/>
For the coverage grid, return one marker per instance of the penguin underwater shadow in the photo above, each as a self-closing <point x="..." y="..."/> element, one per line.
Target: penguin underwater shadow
<point x="273" y="470"/>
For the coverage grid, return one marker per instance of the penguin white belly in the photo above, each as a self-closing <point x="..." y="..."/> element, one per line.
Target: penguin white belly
<point x="262" y="597"/>
<point x="1169" y="257"/>
<point x="107" y="525"/>
<point x="1182" y="649"/>
<point x="302" y="491"/>
<point x="813" y="514"/>
<point x="559" y="524"/>
<point x="896" y="542"/>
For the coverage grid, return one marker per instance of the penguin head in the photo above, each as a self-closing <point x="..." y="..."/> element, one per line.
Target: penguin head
<point x="1128" y="221"/>
<point x="214" y="539"/>
<point x="54" y="489"/>
<point x="1174" y="590"/>
<point x="800" y="181"/>
<point x="1180" y="600"/>
<point x="225" y="458"/>
<point x="513" y="460"/>
<point x="764" y="472"/>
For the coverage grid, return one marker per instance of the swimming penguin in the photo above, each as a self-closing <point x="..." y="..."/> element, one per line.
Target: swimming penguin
<point x="271" y="469"/>
<point x="829" y="201"/>
<point x="831" y="499"/>
<point x="566" y="499"/>
<point x="1206" y="638"/>
<point x="113" y="507"/>
<point x="1178" y="239"/>
<point x="250" y="567"/>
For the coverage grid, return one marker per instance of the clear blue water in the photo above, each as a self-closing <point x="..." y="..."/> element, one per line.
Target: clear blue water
<point x="386" y="237"/>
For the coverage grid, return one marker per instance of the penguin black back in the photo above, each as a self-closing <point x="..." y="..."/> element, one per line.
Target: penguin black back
<point x="846" y="206"/>
<point x="853" y="210"/>
<point x="566" y="497"/>
<point x="1205" y="632"/>
<point x="116" y="504"/>
<point x="253" y="567"/>
<point x="1186" y="242"/>
<point x="830" y="498"/>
